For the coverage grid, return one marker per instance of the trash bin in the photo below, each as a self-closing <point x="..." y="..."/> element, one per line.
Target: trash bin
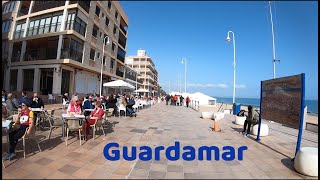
<point x="236" y="108"/>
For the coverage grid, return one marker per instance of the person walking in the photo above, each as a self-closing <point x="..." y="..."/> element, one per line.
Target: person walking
<point x="167" y="99"/>
<point x="187" y="101"/>
<point x="181" y="100"/>
<point x="251" y="119"/>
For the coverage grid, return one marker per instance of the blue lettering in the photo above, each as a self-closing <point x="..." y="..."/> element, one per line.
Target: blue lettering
<point x="189" y="156"/>
<point x="126" y="153"/>
<point x="147" y="155"/>
<point x="208" y="150"/>
<point x="176" y="149"/>
<point x="231" y="153"/>
<point x="157" y="152"/>
<point x="240" y="152"/>
<point x="116" y="153"/>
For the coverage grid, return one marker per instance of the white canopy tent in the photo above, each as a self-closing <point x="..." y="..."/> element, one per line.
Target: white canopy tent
<point x="119" y="84"/>
<point x="203" y="99"/>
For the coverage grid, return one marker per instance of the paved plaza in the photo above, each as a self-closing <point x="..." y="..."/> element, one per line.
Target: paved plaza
<point x="161" y="125"/>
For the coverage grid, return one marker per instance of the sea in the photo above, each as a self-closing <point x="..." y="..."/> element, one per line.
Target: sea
<point x="312" y="105"/>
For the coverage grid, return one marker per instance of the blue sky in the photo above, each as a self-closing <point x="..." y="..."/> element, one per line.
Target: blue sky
<point x="169" y="31"/>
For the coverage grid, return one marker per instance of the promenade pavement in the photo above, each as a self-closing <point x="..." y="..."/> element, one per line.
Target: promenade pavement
<point x="154" y="126"/>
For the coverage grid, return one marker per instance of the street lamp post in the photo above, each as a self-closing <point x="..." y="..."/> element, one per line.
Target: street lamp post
<point x="184" y="61"/>
<point x="104" y="39"/>
<point x="234" y="64"/>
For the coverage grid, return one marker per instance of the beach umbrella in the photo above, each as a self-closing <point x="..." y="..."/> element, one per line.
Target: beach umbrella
<point x="142" y="91"/>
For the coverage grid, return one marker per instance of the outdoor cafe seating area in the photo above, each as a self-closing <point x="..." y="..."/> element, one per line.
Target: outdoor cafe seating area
<point x="54" y="118"/>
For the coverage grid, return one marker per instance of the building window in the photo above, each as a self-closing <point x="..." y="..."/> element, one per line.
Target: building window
<point x="104" y="61"/>
<point x="109" y="4"/>
<point x="77" y="24"/>
<point x="116" y="15"/>
<point x="41" y="27"/>
<point x="47" y="25"/>
<point x="102" y="15"/>
<point x="6" y="26"/>
<point x="121" y="54"/>
<point x="92" y="53"/>
<point x="72" y="49"/>
<point x="113" y="47"/>
<point x="28" y="79"/>
<point x="70" y="21"/>
<point x="112" y="63"/>
<point x="13" y="79"/>
<point x="8" y="7"/>
<point x="115" y="30"/>
<point x="107" y="21"/>
<point x="97" y="11"/>
<point x="19" y="31"/>
<point x="98" y="55"/>
<point x="95" y="31"/>
<point x="35" y="28"/>
<point x="54" y="23"/>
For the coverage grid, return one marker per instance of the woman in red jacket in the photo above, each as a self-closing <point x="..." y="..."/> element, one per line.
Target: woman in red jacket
<point x="187" y="101"/>
<point x="97" y="113"/>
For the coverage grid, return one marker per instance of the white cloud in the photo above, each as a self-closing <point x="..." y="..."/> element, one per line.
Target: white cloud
<point x="208" y="85"/>
<point x="240" y="86"/>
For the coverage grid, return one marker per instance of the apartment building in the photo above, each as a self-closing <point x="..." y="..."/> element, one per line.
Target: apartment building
<point x="56" y="47"/>
<point x="8" y="12"/>
<point x="131" y="77"/>
<point x="145" y="67"/>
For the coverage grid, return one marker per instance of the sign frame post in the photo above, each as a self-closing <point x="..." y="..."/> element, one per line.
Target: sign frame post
<point x="301" y="113"/>
<point x="260" y="115"/>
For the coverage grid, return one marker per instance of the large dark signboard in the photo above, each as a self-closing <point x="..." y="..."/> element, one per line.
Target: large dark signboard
<point x="281" y="100"/>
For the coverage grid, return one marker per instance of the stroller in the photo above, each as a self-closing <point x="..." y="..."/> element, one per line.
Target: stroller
<point x="129" y="108"/>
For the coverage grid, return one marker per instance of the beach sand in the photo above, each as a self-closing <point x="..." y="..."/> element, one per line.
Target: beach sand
<point x="204" y="108"/>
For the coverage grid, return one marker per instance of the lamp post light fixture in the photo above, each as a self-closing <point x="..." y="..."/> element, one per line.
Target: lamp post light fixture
<point x="184" y="61"/>
<point x="104" y="43"/>
<point x="234" y="64"/>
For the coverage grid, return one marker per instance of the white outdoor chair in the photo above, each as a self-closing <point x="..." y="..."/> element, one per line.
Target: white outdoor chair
<point x="122" y="108"/>
<point x="51" y="98"/>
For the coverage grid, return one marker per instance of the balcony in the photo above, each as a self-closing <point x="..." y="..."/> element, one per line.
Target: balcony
<point x="84" y="4"/>
<point x="41" y="49"/>
<point x="71" y="54"/>
<point x="119" y="73"/>
<point x="44" y="5"/>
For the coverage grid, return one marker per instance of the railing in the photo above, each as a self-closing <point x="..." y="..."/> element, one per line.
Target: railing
<point x="194" y="105"/>
<point x="43" y="5"/>
<point x="71" y="54"/>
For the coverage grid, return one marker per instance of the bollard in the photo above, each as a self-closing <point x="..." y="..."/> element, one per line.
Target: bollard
<point x="216" y="126"/>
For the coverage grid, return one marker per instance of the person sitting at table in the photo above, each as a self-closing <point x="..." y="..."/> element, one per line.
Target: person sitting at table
<point x="24" y="98"/>
<point x="25" y="119"/>
<point x="74" y="106"/>
<point x="88" y="104"/>
<point x="65" y="100"/>
<point x="97" y="113"/>
<point x="11" y="107"/>
<point x="14" y="100"/>
<point x="112" y="101"/>
<point x="36" y="101"/>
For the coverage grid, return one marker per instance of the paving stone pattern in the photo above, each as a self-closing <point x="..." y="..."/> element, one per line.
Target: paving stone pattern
<point x="159" y="125"/>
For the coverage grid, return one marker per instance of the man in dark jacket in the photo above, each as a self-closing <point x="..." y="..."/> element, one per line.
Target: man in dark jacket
<point x="88" y="105"/>
<point x="252" y="118"/>
<point x="36" y="102"/>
